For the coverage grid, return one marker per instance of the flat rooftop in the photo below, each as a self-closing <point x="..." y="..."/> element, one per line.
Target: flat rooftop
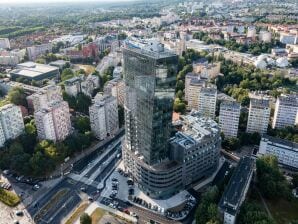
<point x="32" y="69"/>
<point x="197" y="127"/>
<point x="231" y="199"/>
<point x="281" y="142"/>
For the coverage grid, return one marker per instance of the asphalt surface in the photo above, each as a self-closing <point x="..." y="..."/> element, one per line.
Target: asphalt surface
<point x="99" y="163"/>
<point x="82" y="164"/>
<point x="144" y="216"/>
<point x="74" y="196"/>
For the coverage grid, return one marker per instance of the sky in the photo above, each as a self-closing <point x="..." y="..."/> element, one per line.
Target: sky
<point x="49" y="1"/>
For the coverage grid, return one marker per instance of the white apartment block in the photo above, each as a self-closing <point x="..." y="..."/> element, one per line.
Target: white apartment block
<point x="37" y="50"/>
<point x="286" y="111"/>
<point x="207" y="101"/>
<point x="11" y="122"/>
<point x="53" y="122"/>
<point x="47" y="94"/>
<point x="104" y="116"/>
<point x="4" y="43"/>
<point x="89" y="85"/>
<point x="73" y="86"/>
<point x="229" y="115"/>
<point x="80" y="84"/>
<point x="285" y="151"/>
<point x="259" y="114"/>
<point x="116" y="88"/>
<point x="193" y="86"/>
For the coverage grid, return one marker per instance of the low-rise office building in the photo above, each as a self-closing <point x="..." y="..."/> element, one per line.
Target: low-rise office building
<point x="285" y="151"/>
<point x="236" y="191"/>
<point x="34" y="71"/>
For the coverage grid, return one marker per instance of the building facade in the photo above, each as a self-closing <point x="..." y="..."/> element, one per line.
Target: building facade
<point x="150" y="155"/>
<point x="37" y="50"/>
<point x="229" y="115"/>
<point x="53" y="121"/>
<point x="104" y="119"/>
<point x="11" y="122"/>
<point x="116" y="88"/>
<point x="4" y="43"/>
<point x="285" y="151"/>
<point x="259" y="114"/>
<point x="286" y="111"/>
<point x="193" y="85"/>
<point x="51" y="113"/>
<point x="207" y="101"/>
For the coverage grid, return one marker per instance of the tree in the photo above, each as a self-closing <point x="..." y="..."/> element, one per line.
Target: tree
<point x="82" y="124"/>
<point x="82" y="103"/>
<point x="67" y="73"/>
<point x="251" y="213"/>
<point x="17" y="96"/>
<point x="295" y="180"/>
<point x="231" y="143"/>
<point x="271" y="182"/>
<point x="207" y="209"/>
<point x="85" y="219"/>
<point x="179" y="106"/>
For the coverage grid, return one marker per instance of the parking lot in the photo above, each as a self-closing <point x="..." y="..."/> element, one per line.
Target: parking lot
<point x="119" y="186"/>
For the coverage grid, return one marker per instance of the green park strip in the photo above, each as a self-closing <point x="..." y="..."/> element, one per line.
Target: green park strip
<point x="77" y="213"/>
<point x="51" y="203"/>
<point x="9" y="198"/>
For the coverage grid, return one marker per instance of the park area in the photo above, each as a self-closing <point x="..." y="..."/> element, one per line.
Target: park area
<point x="9" y="198"/>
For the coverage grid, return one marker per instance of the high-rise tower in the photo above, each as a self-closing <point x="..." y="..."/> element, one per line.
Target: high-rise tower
<point x="150" y="78"/>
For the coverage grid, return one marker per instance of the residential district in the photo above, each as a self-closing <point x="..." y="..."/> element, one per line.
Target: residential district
<point x="157" y="112"/>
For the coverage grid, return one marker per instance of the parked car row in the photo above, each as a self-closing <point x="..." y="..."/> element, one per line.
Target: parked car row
<point x="115" y="187"/>
<point x="191" y="202"/>
<point x="122" y="172"/>
<point x="6" y="186"/>
<point x="145" y="204"/>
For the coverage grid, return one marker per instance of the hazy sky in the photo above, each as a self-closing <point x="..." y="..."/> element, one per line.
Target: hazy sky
<point x="45" y="1"/>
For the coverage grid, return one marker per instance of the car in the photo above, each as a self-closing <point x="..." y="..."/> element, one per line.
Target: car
<point x="83" y="189"/>
<point x="36" y="187"/>
<point x="112" y="195"/>
<point x="90" y="198"/>
<point x="133" y="214"/>
<point x="16" y="222"/>
<point x="6" y="172"/>
<point x="19" y="213"/>
<point x="126" y="211"/>
<point x="115" y="180"/>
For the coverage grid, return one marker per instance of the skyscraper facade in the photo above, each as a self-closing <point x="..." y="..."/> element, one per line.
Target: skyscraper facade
<point x="150" y="78"/>
<point x="160" y="163"/>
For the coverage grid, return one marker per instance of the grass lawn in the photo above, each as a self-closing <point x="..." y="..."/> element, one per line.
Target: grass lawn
<point x="283" y="211"/>
<point x="88" y="68"/>
<point x="9" y="198"/>
<point x="97" y="215"/>
<point x="77" y="213"/>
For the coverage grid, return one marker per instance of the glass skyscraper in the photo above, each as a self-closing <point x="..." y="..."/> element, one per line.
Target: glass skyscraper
<point x="150" y="77"/>
<point x="161" y="165"/>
